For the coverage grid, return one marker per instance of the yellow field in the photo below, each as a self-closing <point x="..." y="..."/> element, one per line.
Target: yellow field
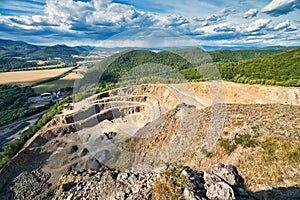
<point x="66" y="81"/>
<point x="30" y="77"/>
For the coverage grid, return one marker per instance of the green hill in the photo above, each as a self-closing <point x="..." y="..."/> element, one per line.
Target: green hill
<point x="114" y="67"/>
<point x="62" y="51"/>
<point x="280" y="69"/>
<point x="15" y="54"/>
<point x="239" y="55"/>
<point x="18" y="46"/>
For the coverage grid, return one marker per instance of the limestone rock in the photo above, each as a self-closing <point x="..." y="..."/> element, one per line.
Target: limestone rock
<point x="220" y="191"/>
<point x="229" y="174"/>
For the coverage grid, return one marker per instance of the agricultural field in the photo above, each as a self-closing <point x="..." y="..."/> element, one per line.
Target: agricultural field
<point x="64" y="82"/>
<point x="30" y="77"/>
<point x="41" y="67"/>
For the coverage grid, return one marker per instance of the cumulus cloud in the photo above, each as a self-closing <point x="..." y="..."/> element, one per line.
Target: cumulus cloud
<point x="220" y="16"/>
<point x="225" y="28"/>
<point x="258" y="25"/>
<point x="250" y="13"/>
<point x="217" y="17"/>
<point x="285" y="26"/>
<point x="171" y="20"/>
<point x="98" y="21"/>
<point x="281" y="7"/>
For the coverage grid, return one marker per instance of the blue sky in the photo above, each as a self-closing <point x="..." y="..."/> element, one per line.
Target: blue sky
<point x="152" y="23"/>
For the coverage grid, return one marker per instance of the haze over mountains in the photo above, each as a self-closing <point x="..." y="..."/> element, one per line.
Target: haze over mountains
<point x="10" y="47"/>
<point x="16" y="54"/>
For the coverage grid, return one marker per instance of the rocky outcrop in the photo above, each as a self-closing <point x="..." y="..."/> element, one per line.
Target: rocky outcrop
<point x="106" y="184"/>
<point x="222" y="182"/>
<point x="31" y="185"/>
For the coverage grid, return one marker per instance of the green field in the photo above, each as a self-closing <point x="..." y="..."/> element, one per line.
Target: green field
<point x="53" y="86"/>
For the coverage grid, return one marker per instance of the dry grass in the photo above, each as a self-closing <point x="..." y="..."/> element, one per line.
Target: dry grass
<point x="164" y="190"/>
<point x="275" y="163"/>
<point x="30" y="77"/>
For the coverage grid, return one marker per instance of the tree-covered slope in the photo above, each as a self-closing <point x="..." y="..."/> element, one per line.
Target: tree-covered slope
<point x="16" y="54"/>
<point x="18" y="46"/>
<point x="279" y="69"/>
<point x="194" y="64"/>
<point x="55" y="51"/>
<point x="114" y="67"/>
<point x="239" y="55"/>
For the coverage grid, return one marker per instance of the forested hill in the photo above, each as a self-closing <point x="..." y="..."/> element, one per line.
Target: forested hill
<point x="20" y="55"/>
<point x="239" y="55"/>
<point x="118" y="65"/>
<point x="278" y="69"/>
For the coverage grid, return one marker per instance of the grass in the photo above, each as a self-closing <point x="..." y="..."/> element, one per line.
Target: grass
<point x="164" y="190"/>
<point x="127" y="140"/>
<point x="254" y="128"/>
<point x="53" y="86"/>
<point x="56" y="66"/>
<point x="168" y="115"/>
<point x="206" y="152"/>
<point x="274" y="162"/>
<point x="226" y="144"/>
<point x="275" y="148"/>
<point x="246" y="141"/>
<point x="168" y="188"/>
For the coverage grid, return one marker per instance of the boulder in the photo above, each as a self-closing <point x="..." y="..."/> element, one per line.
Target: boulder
<point x="229" y="174"/>
<point x="224" y="182"/>
<point x="220" y="191"/>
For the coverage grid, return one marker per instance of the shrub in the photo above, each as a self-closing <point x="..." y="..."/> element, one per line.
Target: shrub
<point x="246" y="141"/>
<point x="206" y="152"/>
<point x="226" y="144"/>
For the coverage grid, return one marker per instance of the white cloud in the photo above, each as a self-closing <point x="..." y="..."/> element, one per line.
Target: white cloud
<point x="67" y="11"/>
<point x="226" y="28"/>
<point x="219" y="16"/>
<point x="250" y="13"/>
<point x="97" y="20"/>
<point x="281" y="7"/>
<point x="257" y="25"/>
<point x="148" y="37"/>
<point x="286" y="26"/>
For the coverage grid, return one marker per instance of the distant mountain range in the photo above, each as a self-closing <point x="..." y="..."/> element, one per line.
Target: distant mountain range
<point x="19" y="48"/>
<point x="9" y="47"/>
<point x="16" y="54"/>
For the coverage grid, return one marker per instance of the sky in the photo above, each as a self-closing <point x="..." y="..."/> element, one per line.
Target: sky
<point x="152" y="23"/>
